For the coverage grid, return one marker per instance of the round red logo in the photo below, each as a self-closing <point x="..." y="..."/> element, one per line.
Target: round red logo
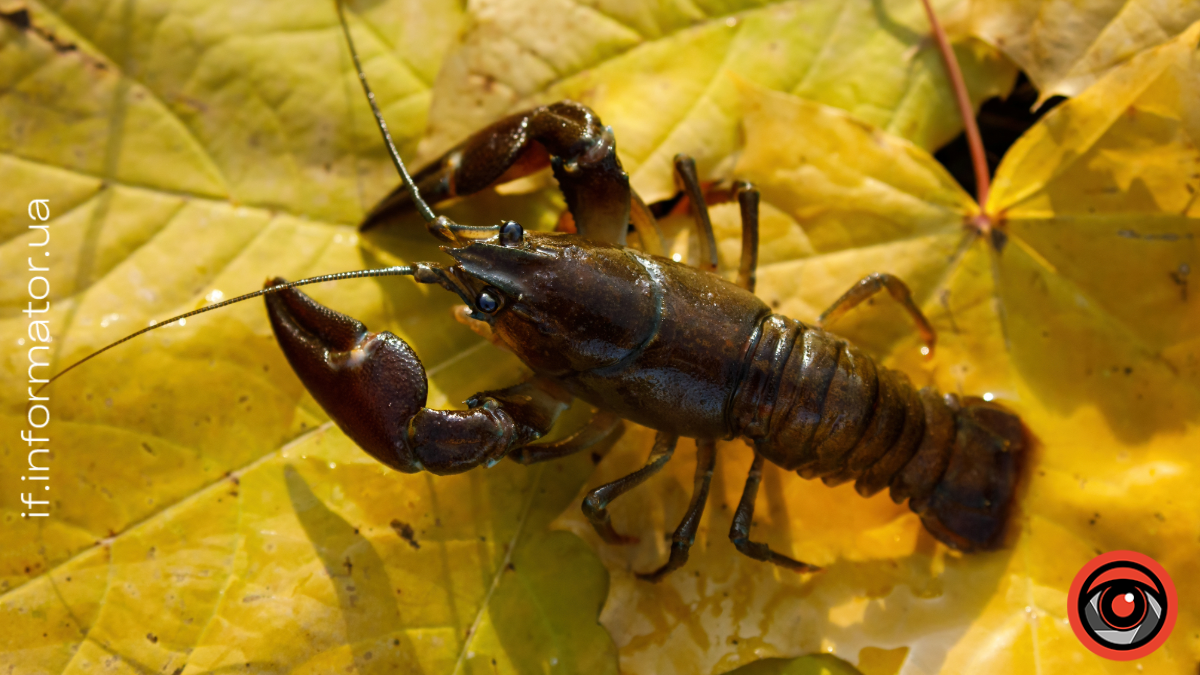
<point x="1122" y="605"/>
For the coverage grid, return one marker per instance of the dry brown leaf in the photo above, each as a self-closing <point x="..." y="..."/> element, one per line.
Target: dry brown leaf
<point x="1066" y="46"/>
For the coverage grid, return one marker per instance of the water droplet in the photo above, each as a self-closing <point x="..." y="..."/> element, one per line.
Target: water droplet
<point x="924" y="351"/>
<point x="215" y="295"/>
<point x="20" y="341"/>
<point x="988" y="396"/>
<point x="677" y="257"/>
<point x="333" y="465"/>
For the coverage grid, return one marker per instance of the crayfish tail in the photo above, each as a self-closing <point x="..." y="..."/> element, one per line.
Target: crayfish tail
<point x="968" y="508"/>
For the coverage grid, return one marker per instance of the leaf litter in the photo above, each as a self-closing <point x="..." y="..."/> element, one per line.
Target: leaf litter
<point x="315" y="518"/>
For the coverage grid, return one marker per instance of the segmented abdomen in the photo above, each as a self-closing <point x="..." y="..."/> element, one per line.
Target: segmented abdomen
<point x="814" y="403"/>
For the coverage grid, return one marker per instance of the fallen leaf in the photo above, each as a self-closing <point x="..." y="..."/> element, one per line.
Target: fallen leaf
<point x="1073" y="315"/>
<point x="1065" y="47"/>
<point x="659" y="73"/>
<point x="204" y="514"/>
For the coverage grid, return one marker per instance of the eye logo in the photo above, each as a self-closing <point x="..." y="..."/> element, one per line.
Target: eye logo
<point x="1122" y="605"/>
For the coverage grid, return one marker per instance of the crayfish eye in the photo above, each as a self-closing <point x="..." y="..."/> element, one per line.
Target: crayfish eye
<point x="511" y="233"/>
<point x="488" y="300"/>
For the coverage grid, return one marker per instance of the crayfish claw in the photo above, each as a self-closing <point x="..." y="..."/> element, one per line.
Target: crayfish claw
<point x="370" y="384"/>
<point x="373" y="386"/>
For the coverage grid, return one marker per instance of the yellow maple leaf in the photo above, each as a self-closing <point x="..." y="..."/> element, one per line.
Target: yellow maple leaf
<point x="204" y="514"/>
<point x="1076" y="316"/>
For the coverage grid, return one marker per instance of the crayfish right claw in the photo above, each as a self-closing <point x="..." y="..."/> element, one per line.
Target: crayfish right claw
<point x="370" y="384"/>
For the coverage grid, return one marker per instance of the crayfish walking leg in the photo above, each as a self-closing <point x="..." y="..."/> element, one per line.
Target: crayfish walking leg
<point x="739" y="532"/>
<point x="595" y="505"/>
<point x="602" y="428"/>
<point x="869" y="286"/>
<point x="685" y="534"/>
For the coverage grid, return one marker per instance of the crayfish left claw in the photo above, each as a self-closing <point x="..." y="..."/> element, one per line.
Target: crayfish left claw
<point x="371" y="384"/>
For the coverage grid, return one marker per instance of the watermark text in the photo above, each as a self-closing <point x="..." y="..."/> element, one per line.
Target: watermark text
<point x="37" y="415"/>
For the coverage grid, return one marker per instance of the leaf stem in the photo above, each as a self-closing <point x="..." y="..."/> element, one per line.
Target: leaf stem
<point x="974" y="140"/>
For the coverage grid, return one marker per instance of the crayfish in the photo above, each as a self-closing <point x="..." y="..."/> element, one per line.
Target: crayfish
<point x="643" y="338"/>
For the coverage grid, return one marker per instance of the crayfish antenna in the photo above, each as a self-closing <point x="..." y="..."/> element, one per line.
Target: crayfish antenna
<point x="439" y="226"/>
<point x="399" y="270"/>
<point x="426" y="212"/>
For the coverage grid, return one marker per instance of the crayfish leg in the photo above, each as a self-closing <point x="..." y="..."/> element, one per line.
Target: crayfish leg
<point x="698" y="200"/>
<point x="739" y="532"/>
<point x="748" y="198"/>
<point x="868" y="287"/>
<point x="601" y="430"/>
<point x="689" y="181"/>
<point x="685" y="533"/>
<point x="595" y="504"/>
